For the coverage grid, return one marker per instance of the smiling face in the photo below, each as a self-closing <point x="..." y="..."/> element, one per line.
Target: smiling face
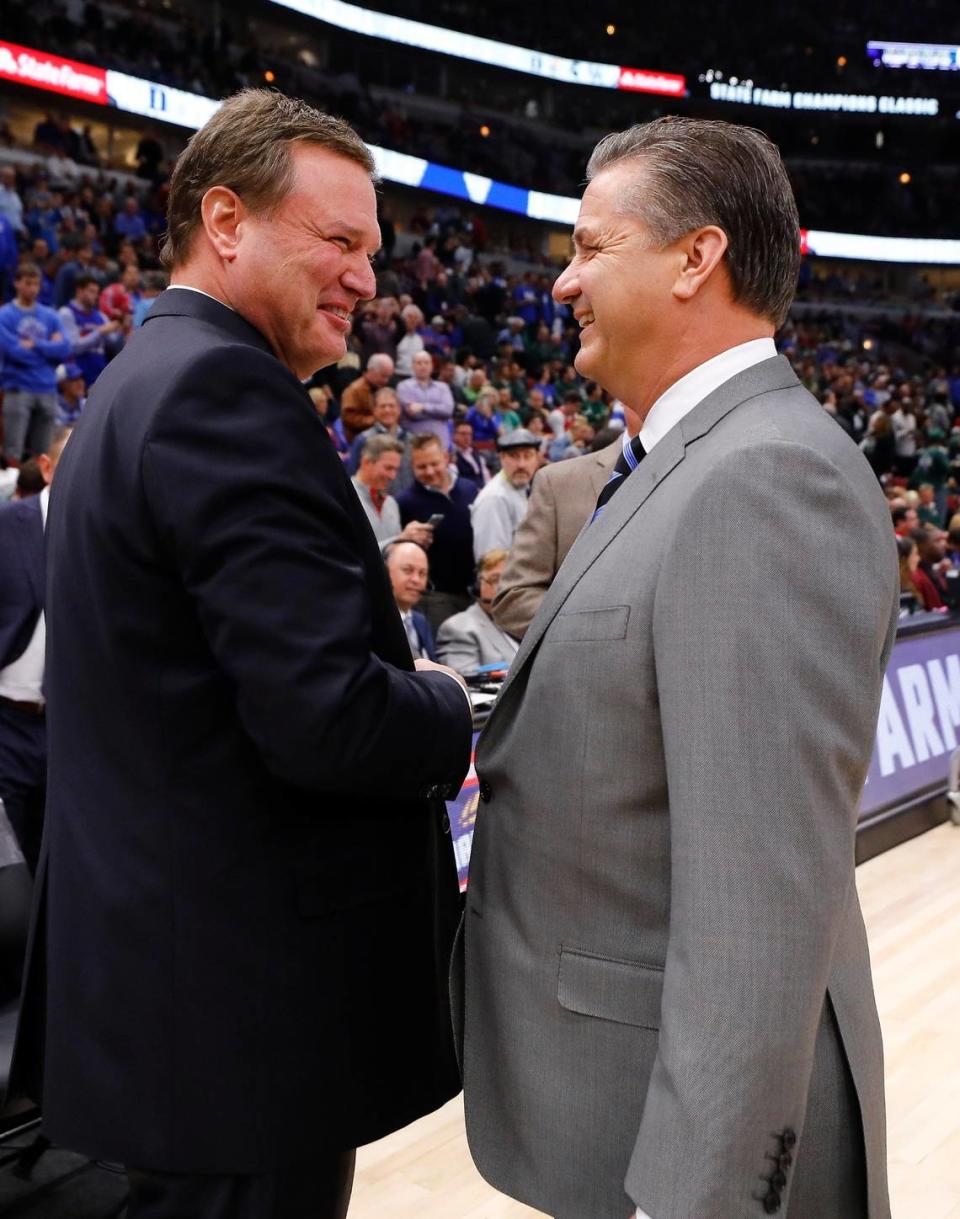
<point x="618" y="286"/>
<point x="298" y="271"/>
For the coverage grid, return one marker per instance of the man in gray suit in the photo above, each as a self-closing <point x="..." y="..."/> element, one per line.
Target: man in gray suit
<point x="668" y="1002"/>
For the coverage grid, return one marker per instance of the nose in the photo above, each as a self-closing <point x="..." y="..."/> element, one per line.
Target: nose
<point x="565" y="286"/>
<point x="361" y="279"/>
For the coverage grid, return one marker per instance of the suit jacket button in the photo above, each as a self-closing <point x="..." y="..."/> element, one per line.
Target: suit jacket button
<point x="789" y="1139"/>
<point x="771" y="1203"/>
<point x="486" y="792"/>
<point x="778" y="1180"/>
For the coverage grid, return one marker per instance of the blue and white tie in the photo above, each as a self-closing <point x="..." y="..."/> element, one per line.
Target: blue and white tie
<point x="630" y="457"/>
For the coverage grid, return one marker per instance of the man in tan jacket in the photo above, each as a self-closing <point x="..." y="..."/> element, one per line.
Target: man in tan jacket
<point x="564" y="495"/>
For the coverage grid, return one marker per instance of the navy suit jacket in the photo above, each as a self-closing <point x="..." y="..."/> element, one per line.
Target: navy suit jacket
<point x="21" y="582"/>
<point x="424" y="634"/>
<point x="247" y="886"/>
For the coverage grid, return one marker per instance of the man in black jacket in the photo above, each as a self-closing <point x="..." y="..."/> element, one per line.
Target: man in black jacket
<point x="248" y="890"/>
<point x="439" y="491"/>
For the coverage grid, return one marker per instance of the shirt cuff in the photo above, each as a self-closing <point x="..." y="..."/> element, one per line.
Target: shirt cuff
<point x="466" y="694"/>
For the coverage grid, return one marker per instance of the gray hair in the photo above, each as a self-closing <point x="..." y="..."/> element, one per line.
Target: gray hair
<point x="375" y="447"/>
<point x="700" y="172"/>
<point x="381" y="360"/>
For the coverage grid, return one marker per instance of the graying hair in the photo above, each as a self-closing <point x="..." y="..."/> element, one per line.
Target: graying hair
<point x="701" y="172"/>
<point x="375" y="447"/>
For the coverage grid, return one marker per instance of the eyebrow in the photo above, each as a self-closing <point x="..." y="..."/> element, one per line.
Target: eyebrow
<point x="583" y="233"/>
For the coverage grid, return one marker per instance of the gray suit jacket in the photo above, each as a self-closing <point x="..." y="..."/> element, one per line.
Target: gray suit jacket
<point x="661" y="924"/>
<point x="562" y="500"/>
<point x="470" y="639"/>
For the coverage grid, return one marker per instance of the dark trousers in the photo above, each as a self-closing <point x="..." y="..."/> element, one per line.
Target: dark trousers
<point x="319" y="1190"/>
<point x="23" y="777"/>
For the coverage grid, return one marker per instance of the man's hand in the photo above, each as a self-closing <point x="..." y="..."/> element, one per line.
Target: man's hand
<point x="425" y="666"/>
<point x="415" y="409"/>
<point x="419" y="532"/>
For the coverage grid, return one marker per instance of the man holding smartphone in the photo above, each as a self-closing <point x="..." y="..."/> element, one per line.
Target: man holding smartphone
<point x="441" y="499"/>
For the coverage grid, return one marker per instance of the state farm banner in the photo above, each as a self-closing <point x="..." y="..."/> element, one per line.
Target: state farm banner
<point x="919" y="720"/>
<point x="45" y="71"/>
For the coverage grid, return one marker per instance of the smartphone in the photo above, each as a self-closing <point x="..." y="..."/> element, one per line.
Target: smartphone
<point x="435" y="520"/>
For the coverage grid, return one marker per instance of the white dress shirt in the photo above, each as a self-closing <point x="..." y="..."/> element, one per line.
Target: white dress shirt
<point x="23" y="680"/>
<point x="690" y="391"/>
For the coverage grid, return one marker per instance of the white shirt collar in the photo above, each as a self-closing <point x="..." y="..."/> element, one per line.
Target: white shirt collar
<point x="44" y="501"/>
<point x="697" y="384"/>
<point x="187" y="288"/>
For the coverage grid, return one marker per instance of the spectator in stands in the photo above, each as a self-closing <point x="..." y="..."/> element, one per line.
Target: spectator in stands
<point x="573" y="443"/>
<point x="927" y="511"/>
<point x="913" y="579"/>
<point x="32" y="345"/>
<point x="468" y="461"/>
<point x="386" y="422"/>
<point x="411" y="342"/>
<point x="154" y="283"/>
<point x="409" y="574"/>
<point x="502" y="504"/>
<point x="86" y="329"/>
<point x="119" y="299"/>
<point x="904" y="424"/>
<point x="879" y="445"/>
<point x="129" y="224"/>
<point x="561" y="418"/>
<point x="484" y="420"/>
<point x="9" y="256"/>
<point x="379" y="465"/>
<point x="65" y="283"/>
<point x="438" y="491"/>
<point x="932" y="552"/>
<point x="905" y="520"/>
<point x="71" y="394"/>
<point x="470" y="640"/>
<point x="933" y="468"/>
<point x="23" y="746"/>
<point x="11" y="205"/>
<point x="356" y="403"/>
<point x="381" y="328"/>
<point x="427" y="404"/>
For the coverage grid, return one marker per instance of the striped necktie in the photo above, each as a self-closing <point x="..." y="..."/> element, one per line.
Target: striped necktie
<point x="630" y="457"/>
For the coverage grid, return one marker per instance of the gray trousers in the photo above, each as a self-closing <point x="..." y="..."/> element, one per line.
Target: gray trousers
<point x="28" y="421"/>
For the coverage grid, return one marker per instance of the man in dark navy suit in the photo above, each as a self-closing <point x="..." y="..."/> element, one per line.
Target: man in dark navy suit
<point x="23" y="734"/>
<point x="248" y="889"/>
<point x="409" y="571"/>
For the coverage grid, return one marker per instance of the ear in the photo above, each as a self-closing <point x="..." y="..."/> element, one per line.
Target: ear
<point x="222" y="213"/>
<point x="701" y="252"/>
<point x="45" y="466"/>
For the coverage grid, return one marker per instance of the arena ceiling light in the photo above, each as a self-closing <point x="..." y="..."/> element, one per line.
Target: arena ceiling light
<point x="487" y="50"/>
<point x="133" y="95"/>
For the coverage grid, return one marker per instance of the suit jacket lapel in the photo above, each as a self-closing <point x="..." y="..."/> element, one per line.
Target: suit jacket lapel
<point x="772" y="374"/>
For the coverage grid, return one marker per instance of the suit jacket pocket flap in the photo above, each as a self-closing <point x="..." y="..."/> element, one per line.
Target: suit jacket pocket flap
<point x="623" y="991"/>
<point x="583" y="626"/>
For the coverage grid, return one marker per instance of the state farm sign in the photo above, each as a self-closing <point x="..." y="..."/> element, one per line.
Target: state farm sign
<point x="46" y="71"/>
